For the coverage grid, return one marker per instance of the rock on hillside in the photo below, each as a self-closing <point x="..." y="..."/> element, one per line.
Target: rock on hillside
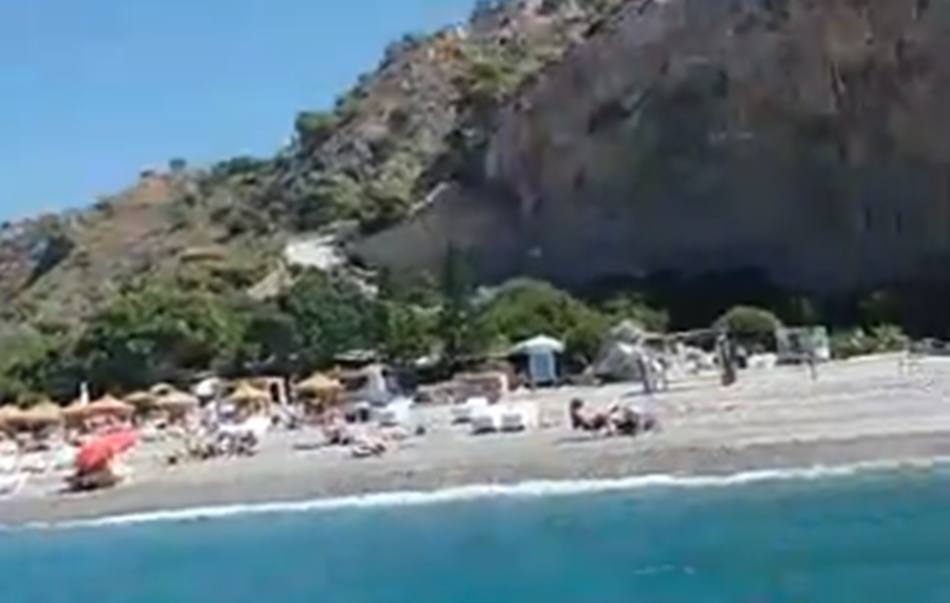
<point x="804" y="138"/>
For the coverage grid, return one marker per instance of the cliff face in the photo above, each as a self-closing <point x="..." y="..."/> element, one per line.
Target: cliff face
<point x="805" y="138"/>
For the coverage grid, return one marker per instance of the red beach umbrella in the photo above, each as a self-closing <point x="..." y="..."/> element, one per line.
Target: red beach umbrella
<point x="98" y="452"/>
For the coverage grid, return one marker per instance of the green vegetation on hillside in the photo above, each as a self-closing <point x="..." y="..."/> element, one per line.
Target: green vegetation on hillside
<point x="173" y="330"/>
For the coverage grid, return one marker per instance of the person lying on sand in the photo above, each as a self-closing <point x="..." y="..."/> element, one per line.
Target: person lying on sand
<point x="616" y="420"/>
<point x="368" y="446"/>
<point x="105" y="476"/>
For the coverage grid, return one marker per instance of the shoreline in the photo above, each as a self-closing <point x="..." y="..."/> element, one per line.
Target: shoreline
<point x="297" y="482"/>
<point x="777" y="420"/>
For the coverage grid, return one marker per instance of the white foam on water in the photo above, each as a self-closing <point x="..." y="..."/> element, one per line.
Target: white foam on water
<point x="527" y="489"/>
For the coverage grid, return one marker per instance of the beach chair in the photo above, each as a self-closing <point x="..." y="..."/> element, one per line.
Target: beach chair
<point x="463" y="413"/>
<point x="518" y="417"/>
<point x="486" y="419"/>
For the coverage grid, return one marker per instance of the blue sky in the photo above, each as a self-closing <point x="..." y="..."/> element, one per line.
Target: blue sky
<point x="94" y="91"/>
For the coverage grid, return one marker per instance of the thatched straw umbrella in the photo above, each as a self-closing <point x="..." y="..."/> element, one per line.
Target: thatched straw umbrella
<point x="245" y="393"/>
<point x="319" y="384"/>
<point x="177" y="404"/>
<point x="10" y="416"/>
<point x="40" y="415"/>
<point x="249" y="397"/>
<point x="104" y="406"/>
<point x="319" y="389"/>
<point x="43" y="413"/>
<point x="160" y="389"/>
<point x="142" y="400"/>
<point x="110" y="405"/>
<point x="176" y="400"/>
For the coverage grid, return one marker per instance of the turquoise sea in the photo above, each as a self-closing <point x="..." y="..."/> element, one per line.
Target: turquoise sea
<point x="867" y="537"/>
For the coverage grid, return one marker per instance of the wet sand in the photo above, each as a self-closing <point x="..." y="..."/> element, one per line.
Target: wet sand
<point x="857" y="412"/>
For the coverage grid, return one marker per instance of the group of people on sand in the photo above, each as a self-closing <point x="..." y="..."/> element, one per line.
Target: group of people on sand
<point x="617" y="419"/>
<point x="362" y="443"/>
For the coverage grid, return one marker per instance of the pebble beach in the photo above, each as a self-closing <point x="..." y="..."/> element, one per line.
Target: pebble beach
<point x="862" y="411"/>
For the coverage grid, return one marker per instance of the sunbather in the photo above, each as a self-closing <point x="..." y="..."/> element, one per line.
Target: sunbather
<point x="617" y="419"/>
<point x="369" y="446"/>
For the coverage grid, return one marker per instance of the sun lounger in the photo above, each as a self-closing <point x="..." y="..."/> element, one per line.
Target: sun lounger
<point x="485" y="420"/>
<point x="518" y="417"/>
<point x="462" y="413"/>
<point x="505" y="418"/>
<point x="395" y="413"/>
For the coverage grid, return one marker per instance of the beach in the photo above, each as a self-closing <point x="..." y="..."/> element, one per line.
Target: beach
<point x="861" y="411"/>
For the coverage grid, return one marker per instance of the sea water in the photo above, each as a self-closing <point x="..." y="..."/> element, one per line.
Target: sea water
<point x="866" y="536"/>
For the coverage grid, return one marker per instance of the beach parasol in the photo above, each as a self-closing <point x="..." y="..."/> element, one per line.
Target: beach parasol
<point x="110" y="405"/>
<point x="318" y="383"/>
<point x="106" y="405"/>
<point x="245" y="393"/>
<point x="42" y="413"/>
<point x="141" y="399"/>
<point x="176" y="400"/>
<point x="10" y="414"/>
<point x="160" y="389"/>
<point x="98" y="452"/>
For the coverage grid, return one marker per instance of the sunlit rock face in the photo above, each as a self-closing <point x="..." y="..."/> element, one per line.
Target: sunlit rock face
<point x="807" y="138"/>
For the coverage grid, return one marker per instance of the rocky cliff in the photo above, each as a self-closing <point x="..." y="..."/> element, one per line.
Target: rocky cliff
<point x="573" y="141"/>
<point x="804" y="138"/>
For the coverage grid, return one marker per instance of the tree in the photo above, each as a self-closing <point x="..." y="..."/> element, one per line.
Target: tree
<point x="458" y="326"/>
<point x="525" y="308"/>
<point x="268" y="337"/>
<point x="38" y="363"/>
<point x="332" y="315"/>
<point x="406" y="325"/>
<point x="154" y="334"/>
<point x="749" y="321"/>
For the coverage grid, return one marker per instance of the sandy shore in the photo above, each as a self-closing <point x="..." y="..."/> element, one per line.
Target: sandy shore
<point x="866" y="411"/>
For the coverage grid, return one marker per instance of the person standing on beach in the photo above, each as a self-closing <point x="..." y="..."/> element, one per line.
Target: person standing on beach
<point x="727" y="364"/>
<point x="811" y="361"/>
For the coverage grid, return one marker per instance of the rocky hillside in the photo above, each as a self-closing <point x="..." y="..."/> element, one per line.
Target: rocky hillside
<point x="569" y="140"/>
<point x="802" y="139"/>
<point x="416" y="120"/>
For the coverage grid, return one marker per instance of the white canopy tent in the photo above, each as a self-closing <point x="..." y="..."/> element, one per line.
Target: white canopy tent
<point x="541" y="351"/>
<point x="539" y="344"/>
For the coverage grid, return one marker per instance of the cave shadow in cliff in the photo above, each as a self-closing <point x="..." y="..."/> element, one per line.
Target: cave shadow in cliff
<point x="920" y="306"/>
<point x="697" y="300"/>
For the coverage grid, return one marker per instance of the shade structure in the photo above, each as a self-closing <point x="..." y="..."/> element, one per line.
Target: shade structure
<point x="141" y="399"/>
<point x="98" y="452"/>
<point x="106" y="405"/>
<point x="318" y="383"/>
<point x="540" y="344"/>
<point x="176" y="400"/>
<point x="245" y="393"/>
<point x="10" y="417"/>
<point x="160" y="389"/>
<point x="42" y="413"/>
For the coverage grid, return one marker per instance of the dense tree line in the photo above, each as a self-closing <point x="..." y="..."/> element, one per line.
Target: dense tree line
<point x="171" y="330"/>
